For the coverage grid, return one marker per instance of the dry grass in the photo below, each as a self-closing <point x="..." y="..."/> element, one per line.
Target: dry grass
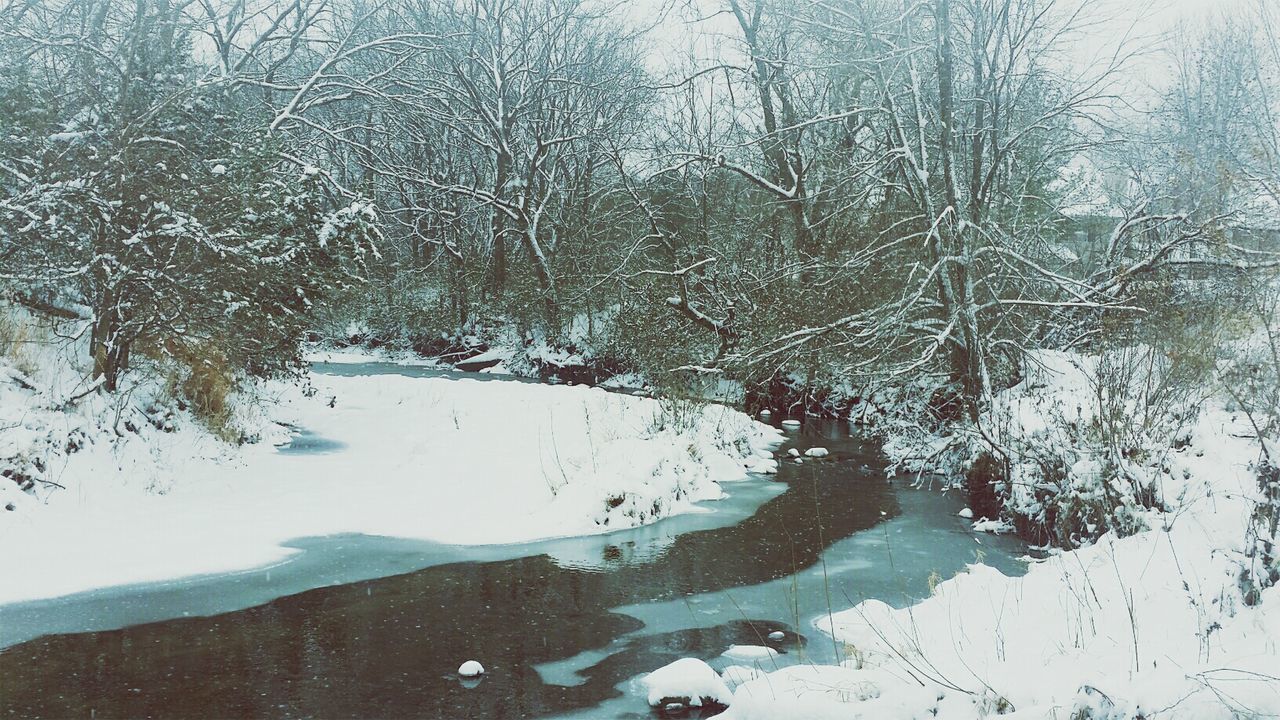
<point x="202" y="379"/>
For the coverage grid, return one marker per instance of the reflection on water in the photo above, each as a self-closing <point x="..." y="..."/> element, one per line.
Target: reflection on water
<point x="561" y="631"/>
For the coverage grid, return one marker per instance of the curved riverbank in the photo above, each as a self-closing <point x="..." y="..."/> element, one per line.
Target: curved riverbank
<point x="437" y="459"/>
<point x="564" y="629"/>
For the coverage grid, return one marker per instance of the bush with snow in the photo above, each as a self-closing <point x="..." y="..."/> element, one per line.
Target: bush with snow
<point x="1144" y="617"/>
<point x="1081" y="447"/>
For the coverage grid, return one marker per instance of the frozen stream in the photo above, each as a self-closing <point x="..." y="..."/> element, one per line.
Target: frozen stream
<point x="358" y="626"/>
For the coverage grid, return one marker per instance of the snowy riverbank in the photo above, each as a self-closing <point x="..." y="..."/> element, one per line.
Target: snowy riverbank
<point x="1149" y="625"/>
<point x="455" y="461"/>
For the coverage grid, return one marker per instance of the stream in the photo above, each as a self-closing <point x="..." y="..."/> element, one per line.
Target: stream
<point x="357" y="626"/>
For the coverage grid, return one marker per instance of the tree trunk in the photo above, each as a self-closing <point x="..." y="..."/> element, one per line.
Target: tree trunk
<point x="497" y="228"/>
<point x="106" y="347"/>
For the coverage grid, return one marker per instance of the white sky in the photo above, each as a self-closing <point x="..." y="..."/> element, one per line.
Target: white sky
<point x="1149" y="23"/>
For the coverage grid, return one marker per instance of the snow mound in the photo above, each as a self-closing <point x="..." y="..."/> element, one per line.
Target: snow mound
<point x="471" y="668"/>
<point x="749" y="653"/>
<point x="738" y="674"/>
<point x="818" y="692"/>
<point x="688" y="681"/>
<point x="816" y="452"/>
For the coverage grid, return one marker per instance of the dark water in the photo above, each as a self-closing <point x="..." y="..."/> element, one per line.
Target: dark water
<point x="559" y="632"/>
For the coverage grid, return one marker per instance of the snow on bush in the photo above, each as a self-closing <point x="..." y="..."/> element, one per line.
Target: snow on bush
<point x="1081" y="447"/>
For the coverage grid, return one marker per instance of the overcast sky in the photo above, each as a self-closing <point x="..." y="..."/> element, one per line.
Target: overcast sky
<point x="1146" y="23"/>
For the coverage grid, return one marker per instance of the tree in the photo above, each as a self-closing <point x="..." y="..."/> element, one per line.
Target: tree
<point x="507" y="113"/>
<point x="144" y="192"/>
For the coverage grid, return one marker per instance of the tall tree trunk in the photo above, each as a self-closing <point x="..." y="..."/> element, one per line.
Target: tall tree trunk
<point x="546" y="279"/>
<point x="497" y="227"/>
<point x="968" y="365"/>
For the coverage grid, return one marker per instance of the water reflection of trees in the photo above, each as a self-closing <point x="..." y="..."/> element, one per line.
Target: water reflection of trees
<point x="389" y="647"/>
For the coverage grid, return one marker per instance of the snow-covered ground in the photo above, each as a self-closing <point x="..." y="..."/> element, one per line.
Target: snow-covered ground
<point x="1149" y="625"/>
<point x="455" y="461"/>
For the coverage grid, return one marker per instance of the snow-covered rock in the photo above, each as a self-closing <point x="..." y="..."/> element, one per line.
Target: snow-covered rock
<point x="749" y="653"/>
<point x="816" y="452"/>
<point x="777" y="636"/>
<point x="793" y="452"/>
<point x="790" y="424"/>
<point x="689" y="681"/>
<point x="764" y="467"/>
<point x="470" y="669"/>
<point x="966" y="513"/>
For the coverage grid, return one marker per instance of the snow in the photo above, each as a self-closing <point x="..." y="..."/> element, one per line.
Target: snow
<point x="749" y="653"/>
<point x="544" y="353"/>
<point x="816" y="452"/>
<point x="993" y="526"/>
<point x="688" y="680"/>
<point x="791" y="424"/>
<point x="818" y="692"/>
<point x="455" y="461"/>
<point x="470" y="668"/>
<point x="1152" y="624"/>
<point x="491" y="355"/>
<point x="793" y="452"/>
<point x="966" y="513"/>
<point x="626" y="381"/>
<point x="777" y="636"/>
<point x="499" y="369"/>
<point x="735" y="675"/>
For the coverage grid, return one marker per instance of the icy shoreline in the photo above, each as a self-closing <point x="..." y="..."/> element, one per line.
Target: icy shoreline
<point x="444" y="460"/>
